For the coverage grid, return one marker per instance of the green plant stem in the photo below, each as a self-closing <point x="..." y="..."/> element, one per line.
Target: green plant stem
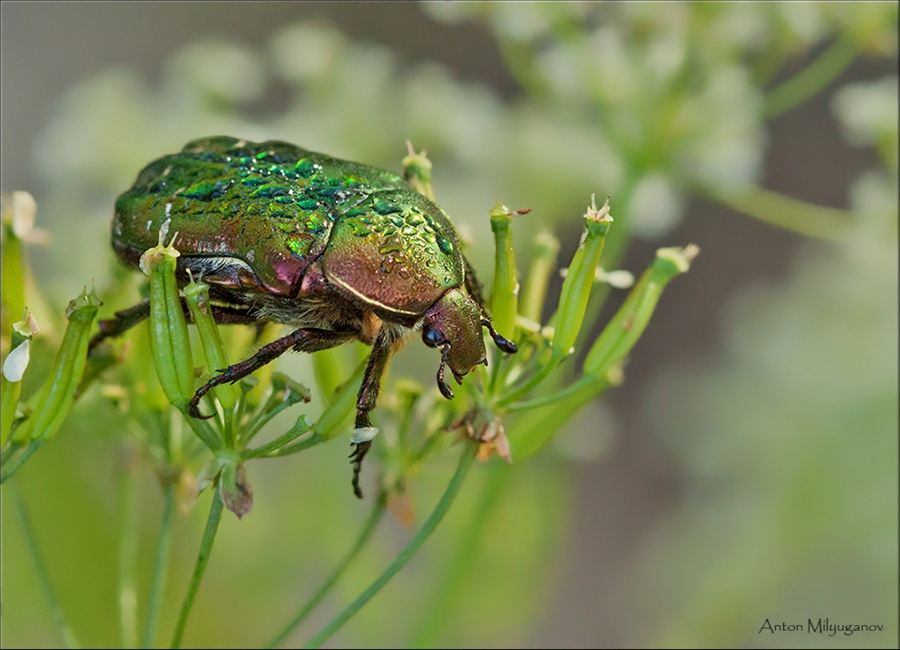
<point x="338" y="413"/>
<point x="255" y="426"/>
<point x="329" y="367"/>
<point x="371" y="524"/>
<point x="19" y="459"/>
<point x="592" y="314"/>
<point x="281" y="442"/>
<point x="287" y="450"/>
<point x="459" y="566"/>
<point x="767" y="64"/>
<point x="812" y="79"/>
<point x="504" y="296"/>
<point x="797" y="216"/>
<point x="613" y="251"/>
<point x="543" y="263"/>
<point x="228" y="424"/>
<point x="203" y="431"/>
<point x="128" y="525"/>
<point x="12" y="272"/>
<point x="465" y="463"/>
<point x="206" y="544"/>
<point x="563" y="393"/>
<point x="68" y="635"/>
<point x="532" y="431"/>
<point x="9" y="400"/>
<point x="161" y="566"/>
<point x="527" y="385"/>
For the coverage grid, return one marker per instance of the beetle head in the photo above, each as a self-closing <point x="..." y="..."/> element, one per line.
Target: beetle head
<point x="453" y="325"/>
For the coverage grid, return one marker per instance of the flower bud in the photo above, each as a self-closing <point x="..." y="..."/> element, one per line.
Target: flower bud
<point x="505" y="296"/>
<point x="328" y="369"/>
<point x="56" y="396"/>
<point x="18" y="215"/>
<point x="417" y="172"/>
<point x="579" y="279"/>
<point x="340" y="409"/>
<point x="169" y="340"/>
<point x="13" y="370"/>
<point x="626" y="327"/>
<point x="197" y="296"/>
<point x="546" y="247"/>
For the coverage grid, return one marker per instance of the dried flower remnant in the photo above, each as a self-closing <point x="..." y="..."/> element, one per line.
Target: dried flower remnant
<point x="487" y="429"/>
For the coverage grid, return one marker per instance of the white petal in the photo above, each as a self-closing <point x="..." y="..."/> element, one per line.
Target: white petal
<point x="16" y="362"/>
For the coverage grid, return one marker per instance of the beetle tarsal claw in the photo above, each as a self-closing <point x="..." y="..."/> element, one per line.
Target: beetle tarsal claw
<point x="362" y="448"/>
<point x="193" y="411"/>
<point x="443" y="385"/>
<point x="504" y="344"/>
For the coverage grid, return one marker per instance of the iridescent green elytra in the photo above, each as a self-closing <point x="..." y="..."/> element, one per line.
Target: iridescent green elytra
<point x="336" y="249"/>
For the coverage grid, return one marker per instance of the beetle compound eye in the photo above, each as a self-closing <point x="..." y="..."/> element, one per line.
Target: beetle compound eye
<point x="443" y="386"/>
<point x="504" y="344"/>
<point x="432" y="337"/>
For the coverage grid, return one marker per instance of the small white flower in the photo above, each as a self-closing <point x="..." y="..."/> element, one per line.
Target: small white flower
<point x="616" y="279"/>
<point x="24" y="211"/>
<point x="16" y="362"/>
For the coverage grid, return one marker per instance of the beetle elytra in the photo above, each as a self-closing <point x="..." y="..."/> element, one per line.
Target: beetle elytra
<point x="338" y="250"/>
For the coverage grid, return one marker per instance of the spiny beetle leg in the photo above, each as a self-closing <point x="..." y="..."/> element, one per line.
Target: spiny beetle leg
<point x="362" y="448"/>
<point x="366" y="400"/>
<point x="128" y="318"/>
<point x="301" y="340"/>
<point x="124" y="321"/>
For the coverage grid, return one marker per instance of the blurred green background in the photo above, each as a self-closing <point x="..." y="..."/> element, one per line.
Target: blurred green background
<point x="747" y="468"/>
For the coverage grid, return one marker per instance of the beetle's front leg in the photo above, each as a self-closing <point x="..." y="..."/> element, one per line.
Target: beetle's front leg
<point x="365" y="402"/>
<point x="473" y="286"/>
<point x="301" y="340"/>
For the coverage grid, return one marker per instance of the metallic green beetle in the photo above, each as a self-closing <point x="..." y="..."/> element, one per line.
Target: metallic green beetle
<point x="338" y="250"/>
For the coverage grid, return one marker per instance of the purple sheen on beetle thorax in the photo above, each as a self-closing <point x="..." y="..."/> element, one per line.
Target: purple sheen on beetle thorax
<point x="286" y="271"/>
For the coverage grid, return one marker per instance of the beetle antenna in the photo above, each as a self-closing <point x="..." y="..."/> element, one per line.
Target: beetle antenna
<point x="504" y="344"/>
<point x="443" y="385"/>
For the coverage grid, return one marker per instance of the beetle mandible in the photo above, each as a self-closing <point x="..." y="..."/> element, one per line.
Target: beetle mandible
<point x="338" y="250"/>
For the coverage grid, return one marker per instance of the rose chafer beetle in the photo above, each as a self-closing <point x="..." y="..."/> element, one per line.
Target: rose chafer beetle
<point x="338" y="250"/>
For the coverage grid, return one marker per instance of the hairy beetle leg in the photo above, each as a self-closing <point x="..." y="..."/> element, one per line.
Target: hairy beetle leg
<point x="127" y="318"/>
<point x="366" y="400"/>
<point x="302" y="340"/>
<point x="124" y="320"/>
